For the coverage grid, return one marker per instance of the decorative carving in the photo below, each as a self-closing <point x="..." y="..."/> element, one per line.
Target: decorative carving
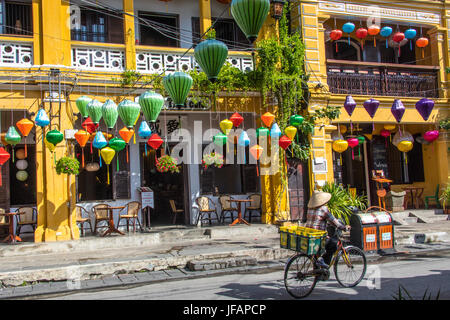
<point x="98" y="59"/>
<point x="16" y="54"/>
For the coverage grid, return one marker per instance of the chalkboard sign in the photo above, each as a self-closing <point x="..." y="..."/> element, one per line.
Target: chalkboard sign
<point x="379" y="156"/>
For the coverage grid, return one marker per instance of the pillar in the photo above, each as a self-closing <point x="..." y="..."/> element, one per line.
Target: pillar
<point x="205" y="15"/>
<point x="129" y="34"/>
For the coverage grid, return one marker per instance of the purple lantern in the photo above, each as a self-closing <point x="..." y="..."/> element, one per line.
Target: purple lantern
<point x="349" y="105"/>
<point x="371" y="107"/>
<point x="398" y="110"/>
<point x="425" y="107"/>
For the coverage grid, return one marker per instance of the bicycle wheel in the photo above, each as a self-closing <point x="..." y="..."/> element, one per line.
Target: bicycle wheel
<point x="299" y="276"/>
<point x="350" y="266"/>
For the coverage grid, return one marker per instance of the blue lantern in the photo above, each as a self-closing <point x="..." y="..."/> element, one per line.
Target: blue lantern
<point x="410" y="34"/>
<point x="99" y="140"/>
<point x="275" y="131"/>
<point x="144" y="132"/>
<point x="244" y="140"/>
<point x="348" y="28"/>
<point x="42" y="119"/>
<point x="386" y="32"/>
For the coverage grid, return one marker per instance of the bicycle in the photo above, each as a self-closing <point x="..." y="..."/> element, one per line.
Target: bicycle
<point x="304" y="272"/>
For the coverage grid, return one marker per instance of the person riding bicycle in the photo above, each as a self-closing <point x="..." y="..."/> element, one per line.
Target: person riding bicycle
<point x="317" y="218"/>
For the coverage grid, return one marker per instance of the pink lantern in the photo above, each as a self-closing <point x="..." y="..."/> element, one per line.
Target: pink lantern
<point x="385" y="133"/>
<point x="353" y="142"/>
<point x="431" y="136"/>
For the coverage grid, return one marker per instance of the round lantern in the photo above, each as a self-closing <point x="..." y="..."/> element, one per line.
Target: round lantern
<point x="275" y="131"/>
<point x="94" y="109"/>
<point x="373" y="30"/>
<point x="54" y="137"/>
<point x="22" y="175"/>
<point x="296" y="120"/>
<point x="422" y="42"/>
<point x="267" y="118"/>
<point x="405" y="146"/>
<point x="402" y="136"/>
<point x="178" y="85"/>
<point x="410" y="34"/>
<point x="340" y="146"/>
<point x="425" y="107"/>
<point x="398" y="110"/>
<point x="348" y="28"/>
<point x="250" y="16"/>
<point x="352" y="143"/>
<point x="398" y="38"/>
<point x="361" y="34"/>
<point x="291" y="132"/>
<point x="385" y="133"/>
<point x="25" y="127"/>
<point x="431" y="136"/>
<point x="20" y="154"/>
<point x="110" y="113"/>
<point x="237" y="119"/>
<point x="92" y="167"/>
<point x="371" y="107"/>
<point x="117" y="144"/>
<point x="107" y="155"/>
<point x="390" y="127"/>
<point x="82" y="103"/>
<point x="336" y="35"/>
<point x="22" y="164"/>
<point x="343" y="128"/>
<point x="220" y="139"/>
<point x="151" y="104"/>
<point x="42" y="119"/>
<point x="226" y="125"/>
<point x="211" y="54"/>
<point x="129" y="111"/>
<point x="4" y="156"/>
<point x="386" y="32"/>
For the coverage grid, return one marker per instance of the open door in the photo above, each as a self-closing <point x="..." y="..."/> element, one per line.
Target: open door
<point x="298" y="189"/>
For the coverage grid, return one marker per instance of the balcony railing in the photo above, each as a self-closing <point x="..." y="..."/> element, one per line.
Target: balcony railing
<point x="382" y="79"/>
<point x="98" y="58"/>
<point x="16" y="54"/>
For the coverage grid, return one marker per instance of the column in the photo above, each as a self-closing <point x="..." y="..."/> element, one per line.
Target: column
<point x="129" y="34"/>
<point x="205" y="15"/>
<point x="439" y="57"/>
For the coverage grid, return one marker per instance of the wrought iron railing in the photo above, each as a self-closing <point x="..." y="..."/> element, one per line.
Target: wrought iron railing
<point x="16" y="18"/>
<point x="378" y="79"/>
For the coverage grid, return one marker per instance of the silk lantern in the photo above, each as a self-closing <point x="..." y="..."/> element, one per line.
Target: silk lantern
<point x="335" y="35"/>
<point x="178" y="85"/>
<point x="410" y="34"/>
<point x="390" y="127"/>
<point x="361" y="140"/>
<point x="348" y="28"/>
<point x="291" y="132"/>
<point x="211" y="55"/>
<point x="373" y="30"/>
<point x="398" y="110"/>
<point x="425" y="107"/>
<point x="42" y="119"/>
<point x="226" y="125"/>
<point x="267" y="118"/>
<point x="402" y="136"/>
<point x="82" y="138"/>
<point x="349" y="106"/>
<point x="89" y="126"/>
<point x="144" y="132"/>
<point x="129" y="111"/>
<point x="343" y="128"/>
<point x="2" y="137"/>
<point x="361" y="34"/>
<point x="386" y="32"/>
<point x="398" y="37"/>
<point x="422" y="42"/>
<point x="151" y="104"/>
<point x="262" y="132"/>
<point x="82" y="103"/>
<point x="20" y="154"/>
<point x="296" y="120"/>
<point x="371" y="107"/>
<point x="340" y="146"/>
<point x="117" y="144"/>
<point x="107" y="155"/>
<point x="25" y="127"/>
<point x="336" y="136"/>
<point x="275" y="131"/>
<point x="50" y="146"/>
<point x="12" y="137"/>
<point x="405" y="146"/>
<point x="155" y="142"/>
<point x="244" y="141"/>
<point x="284" y="143"/>
<point x="126" y="135"/>
<point x="54" y="137"/>
<point x="220" y="139"/>
<point x="4" y="156"/>
<point x="431" y="136"/>
<point x="256" y="151"/>
<point x="22" y="175"/>
<point x="352" y="143"/>
<point x="385" y="133"/>
<point x="94" y="109"/>
<point x="250" y="16"/>
<point x="237" y="119"/>
<point x="99" y="141"/>
<point x="22" y="164"/>
<point x="110" y="113"/>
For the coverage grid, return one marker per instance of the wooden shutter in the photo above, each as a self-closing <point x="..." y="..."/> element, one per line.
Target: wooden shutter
<point x="195" y="30"/>
<point x="206" y="181"/>
<point x="115" y="29"/>
<point x="122" y="181"/>
<point x="297" y="192"/>
<point x="249" y="178"/>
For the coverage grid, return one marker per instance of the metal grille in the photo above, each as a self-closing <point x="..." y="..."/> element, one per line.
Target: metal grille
<point x="16" y="19"/>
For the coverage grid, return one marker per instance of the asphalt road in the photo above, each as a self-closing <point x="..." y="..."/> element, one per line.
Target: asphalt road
<point x="416" y="274"/>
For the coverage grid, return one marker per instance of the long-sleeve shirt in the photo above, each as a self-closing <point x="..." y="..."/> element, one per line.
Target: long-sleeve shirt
<point x="317" y="219"/>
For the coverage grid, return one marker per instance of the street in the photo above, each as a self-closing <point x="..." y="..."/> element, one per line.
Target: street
<point x="416" y="274"/>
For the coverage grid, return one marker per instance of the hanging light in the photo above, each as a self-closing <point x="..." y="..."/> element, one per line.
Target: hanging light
<point x="99" y="140"/>
<point x="425" y="107"/>
<point x="42" y="119"/>
<point x="386" y="32"/>
<point x="410" y="34"/>
<point x="399" y="38"/>
<point x="422" y="42"/>
<point x="82" y="138"/>
<point x="89" y="126"/>
<point x="12" y="137"/>
<point x="276" y="9"/>
<point x="237" y="119"/>
<point x="361" y="34"/>
<point x="371" y="107"/>
<point x="291" y="132"/>
<point x="82" y="103"/>
<point x="126" y="135"/>
<point x="250" y="16"/>
<point x="373" y="30"/>
<point x="118" y="145"/>
<point x="349" y="106"/>
<point x="129" y="112"/>
<point x="256" y="151"/>
<point x="25" y="127"/>
<point x="398" y="110"/>
<point x="275" y="131"/>
<point x="296" y="120"/>
<point x="92" y="167"/>
<point x="94" y="109"/>
<point x="385" y="133"/>
<point x="110" y="113"/>
<point x="178" y="85"/>
<point x="340" y="146"/>
<point x="144" y="132"/>
<point x="431" y="136"/>
<point x="211" y="54"/>
<point x="151" y="104"/>
<point x="220" y="139"/>
<point x="267" y="118"/>
<point x="335" y="35"/>
<point x="352" y="143"/>
<point x="107" y="155"/>
<point x="226" y="125"/>
<point x="349" y="27"/>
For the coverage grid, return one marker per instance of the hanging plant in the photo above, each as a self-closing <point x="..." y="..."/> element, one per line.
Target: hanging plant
<point x="67" y="165"/>
<point x="167" y="164"/>
<point x="212" y="159"/>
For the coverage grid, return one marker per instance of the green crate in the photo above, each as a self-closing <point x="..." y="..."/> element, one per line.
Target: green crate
<point x="293" y="241"/>
<point x="311" y="244"/>
<point x="284" y="238"/>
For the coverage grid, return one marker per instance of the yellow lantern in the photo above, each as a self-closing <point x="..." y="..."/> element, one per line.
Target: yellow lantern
<point x="107" y="154"/>
<point x="389" y="127"/>
<point x="290" y="131"/>
<point x="405" y="146"/>
<point x="226" y="125"/>
<point x="343" y="129"/>
<point x="49" y="145"/>
<point x="340" y="146"/>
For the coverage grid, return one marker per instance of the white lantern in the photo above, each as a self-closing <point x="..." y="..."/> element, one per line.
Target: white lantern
<point x="21" y="164"/>
<point x="92" y="167"/>
<point x="404" y="135"/>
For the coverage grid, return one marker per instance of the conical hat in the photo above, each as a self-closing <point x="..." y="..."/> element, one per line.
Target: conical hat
<point x="318" y="199"/>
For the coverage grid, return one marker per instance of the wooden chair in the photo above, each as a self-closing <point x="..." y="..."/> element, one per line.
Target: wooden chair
<point x="132" y="208"/>
<point x="100" y="215"/>
<point x="175" y="211"/>
<point x="434" y="198"/>
<point x="254" y="206"/>
<point x="27" y="219"/>
<point x="206" y="207"/>
<point x="83" y="217"/>
<point x="4" y="220"/>
<point x="227" y="208"/>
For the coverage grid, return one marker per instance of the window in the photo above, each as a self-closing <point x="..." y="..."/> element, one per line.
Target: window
<point x="16" y="18"/>
<point x="159" y="29"/>
<point x="226" y="30"/>
<point x="99" y="27"/>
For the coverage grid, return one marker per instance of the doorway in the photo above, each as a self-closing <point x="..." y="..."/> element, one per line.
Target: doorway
<point x="298" y="180"/>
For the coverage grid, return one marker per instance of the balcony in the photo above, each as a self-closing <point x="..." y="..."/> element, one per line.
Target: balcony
<point x="382" y="79"/>
<point x="16" y="53"/>
<point x="98" y="57"/>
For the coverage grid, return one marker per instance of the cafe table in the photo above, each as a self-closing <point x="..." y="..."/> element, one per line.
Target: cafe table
<point x="12" y="237"/>
<point x="239" y="218"/>
<point x="416" y="195"/>
<point x="112" y="227"/>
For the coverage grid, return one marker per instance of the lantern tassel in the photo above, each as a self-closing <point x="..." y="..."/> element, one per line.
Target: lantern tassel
<point x="423" y="53"/>
<point x="340" y="156"/>
<point x="146" y="153"/>
<point x="336" y="47"/>
<point x="0" y="175"/>
<point x="374" y="42"/>
<point x="349" y="40"/>
<point x="118" y="168"/>
<point x="13" y="154"/>
<point x="100" y="159"/>
<point x="134" y="138"/>
<point x="127" y="155"/>
<point x="107" y="168"/>
<point x="257" y="169"/>
<point x="82" y="157"/>
<point x="353" y="154"/>
<point x="91" y="149"/>
<point x="386" y="43"/>
<point x="26" y="150"/>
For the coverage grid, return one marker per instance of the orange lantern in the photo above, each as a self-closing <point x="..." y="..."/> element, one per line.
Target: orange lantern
<point x="422" y="42"/>
<point x="25" y="127"/>
<point x="256" y="151"/>
<point x="126" y="134"/>
<point x="82" y="138"/>
<point x="373" y="30"/>
<point x="267" y="118"/>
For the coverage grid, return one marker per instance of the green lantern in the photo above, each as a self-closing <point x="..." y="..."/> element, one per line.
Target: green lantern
<point x="361" y="140"/>
<point x="110" y="113"/>
<point x="12" y="137"/>
<point x="178" y="85"/>
<point x="211" y="54"/>
<point x="250" y="16"/>
<point x="117" y="145"/>
<point x="54" y="137"/>
<point x="22" y="175"/>
<point x="220" y="139"/>
<point x="151" y="104"/>
<point x="82" y="103"/>
<point x="296" y="120"/>
<point x="129" y="112"/>
<point x="262" y="132"/>
<point x="94" y="109"/>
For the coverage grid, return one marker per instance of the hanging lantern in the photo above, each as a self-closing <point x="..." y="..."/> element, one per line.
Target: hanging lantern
<point x="144" y="132"/>
<point x="126" y="135"/>
<point x="178" y="85"/>
<point x="390" y="127"/>
<point x="82" y="138"/>
<point x="340" y="146"/>
<point x="402" y="136"/>
<point x="371" y="107"/>
<point x="82" y="103"/>
<point x="22" y="164"/>
<point x="20" y="154"/>
<point x="431" y="136"/>
<point x="89" y="126"/>
<point x="422" y="42"/>
<point x="243" y="140"/>
<point x="41" y="119"/>
<point x="151" y="104"/>
<point x="262" y="132"/>
<point x="275" y="131"/>
<point x="237" y="119"/>
<point x="343" y="128"/>
<point x="12" y="137"/>
<point x="25" y="127"/>
<point x="335" y="35"/>
<point x="107" y="155"/>
<point x="110" y="113"/>
<point x="250" y="16"/>
<point x="256" y="151"/>
<point x="267" y="118"/>
<point x="54" y="137"/>
<point x="226" y="125"/>
<point x="4" y="156"/>
<point x="155" y="141"/>
<point x="398" y="37"/>
<point x="92" y="167"/>
<point x="373" y="30"/>
<point x="425" y="107"/>
<point x="49" y="145"/>
<point x="386" y="32"/>
<point x="296" y="120"/>
<point x="348" y="28"/>
<point x="2" y="137"/>
<point x="352" y="143"/>
<point x="405" y="146"/>
<point x="385" y="133"/>
<point x="361" y="34"/>
<point x="94" y="109"/>
<point x="410" y="34"/>
<point x="349" y="106"/>
<point x="118" y="145"/>
<point x="361" y="140"/>
<point x="220" y="139"/>
<point x="336" y="136"/>
<point x="211" y="54"/>
<point x="291" y="132"/>
<point x="129" y="111"/>
<point x="22" y="175"/>
<point x="398" y="110"/>
<point x="284" y="142"/>
<point x="99" y="140"/>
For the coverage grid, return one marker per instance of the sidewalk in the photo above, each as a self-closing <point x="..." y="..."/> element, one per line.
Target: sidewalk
<point x="31" y="269"/>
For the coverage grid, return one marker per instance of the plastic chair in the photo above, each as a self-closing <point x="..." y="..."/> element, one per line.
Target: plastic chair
<point x="83" y="217"/>
<point x="27" y="219"/>
<point x="206" y="207"/>
<point x="133" y="208"/>
<point x="227" y="208"/>
<point x="434" y="198"/>
<point x="255" y="206"/>
<point x="100" y="215"/>
<point x="175" y="211"/>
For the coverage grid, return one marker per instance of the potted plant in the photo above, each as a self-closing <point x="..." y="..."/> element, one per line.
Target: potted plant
<point x="167" y="164"/>
<point x="445" y="198"/>
<point x="212" y="159"/>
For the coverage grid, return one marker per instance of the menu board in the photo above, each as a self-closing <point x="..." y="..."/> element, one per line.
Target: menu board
<point x="379" y="157"/>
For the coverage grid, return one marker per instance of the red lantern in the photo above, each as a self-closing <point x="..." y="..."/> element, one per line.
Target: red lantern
<point x="422" y="42"/>
<point x="353" y="142"/>
<point x="237" y="119"/>
<point x="335" y="35"/>
<point x="385" y="133"/>
<point x="398" y="37"/>
<point x="25" y="127"/>
<point x="285" y="142"/>
<point x="89" y="126"/>
<point x="361" y="33"/>
<point x="4" y="156"/>
<point x="155" y="141"/>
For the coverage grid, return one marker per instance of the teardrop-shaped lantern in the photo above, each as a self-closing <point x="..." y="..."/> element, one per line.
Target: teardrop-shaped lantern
<point x="178" y="85"/>
<point x="425" y="107"/>
<point x="267" y="118"/>
<point x="290" y="131"/>
<point x="250" y="16"/>
<point x="129" y="111"/>
<point x="42" y="119"/>
<point x="398" y="110"/>
<point x="352" y="143"/>
<point x="94" y="109"/>
<point x="110" y="113"/>
<point x="349" y="105"/>
<point x="226" y="125"/>
<point x="371" y="107"/>
<point x="12" y="136"/>
<point x="82" y="138"/>
<point x="4" y="156"/>
<point x="220" y="139"/>
<point x="107" y="156"/>
<point x="144" y="130"/>
<point x="211" y="54"/>
<point x="237" y="119"/>
<point x="243" y="140"/>
<point x="275" y="131"/>
<point x="99" y="141"/>
<point x="151" y="104"/>
<point x="82" y="103"/>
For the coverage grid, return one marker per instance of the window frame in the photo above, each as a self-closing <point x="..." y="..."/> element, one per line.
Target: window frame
<point x="142" y="14"/>
<point x="4" y="18"/>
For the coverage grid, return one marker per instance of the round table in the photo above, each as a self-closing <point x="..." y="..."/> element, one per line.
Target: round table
<point x="112" y="228"/>
<point x="239" y="218"/>
<point x="12" y="237"/>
